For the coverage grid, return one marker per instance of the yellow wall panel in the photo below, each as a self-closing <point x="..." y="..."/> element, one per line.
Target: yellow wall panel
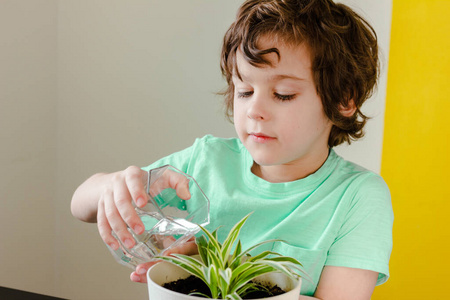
<point x="416" y="150"/>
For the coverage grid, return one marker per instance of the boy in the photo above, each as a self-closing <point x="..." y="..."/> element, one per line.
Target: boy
<point x="298" y="73"/>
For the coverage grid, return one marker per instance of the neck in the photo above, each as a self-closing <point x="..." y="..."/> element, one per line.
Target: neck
<point x="290" y="171"/>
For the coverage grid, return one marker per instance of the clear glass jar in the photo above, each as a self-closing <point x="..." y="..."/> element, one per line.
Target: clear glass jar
<point x="169" y="220"/>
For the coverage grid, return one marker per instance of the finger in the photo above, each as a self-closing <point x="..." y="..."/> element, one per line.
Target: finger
<point x="103" y="227"/>
<point x="173" y="180"/>
<point x="167" y="241"/>
<point x="135" y="277"/>
<point x="140" y="275"/>
<point x="187" y="248"/>
<point x="141" y="270"/>
<point x="180" y="183"/>
<point x="116" y="222"/>
<point x="136" y="180"/>
<point x="122" y="199"/>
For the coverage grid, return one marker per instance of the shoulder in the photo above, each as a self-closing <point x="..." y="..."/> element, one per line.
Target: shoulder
<point x="227" y="142"/>
<point x="358" y="176"/>
<point x="210" y="152"/>
<point x="212" y="143"/>
<point x="204" y="150"/>
<point x="362" y="186"/>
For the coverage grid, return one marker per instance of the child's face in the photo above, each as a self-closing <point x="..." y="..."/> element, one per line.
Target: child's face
<point x="278" y="115"/>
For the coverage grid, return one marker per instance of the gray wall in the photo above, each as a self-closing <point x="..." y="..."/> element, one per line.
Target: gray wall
<point x="97" y="85"/>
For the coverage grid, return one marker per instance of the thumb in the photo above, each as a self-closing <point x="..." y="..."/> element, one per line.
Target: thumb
<point x="140" y="275"/>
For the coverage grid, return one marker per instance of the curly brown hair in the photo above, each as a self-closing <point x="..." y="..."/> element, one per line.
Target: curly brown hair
<point x="343" y="47"/>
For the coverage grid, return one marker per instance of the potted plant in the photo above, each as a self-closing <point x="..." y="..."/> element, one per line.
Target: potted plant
<point x="225" y="275"/>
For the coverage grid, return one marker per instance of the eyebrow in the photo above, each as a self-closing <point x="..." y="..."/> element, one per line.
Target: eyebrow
<point x="273" y="77"/>
<point x="283" y="76"/>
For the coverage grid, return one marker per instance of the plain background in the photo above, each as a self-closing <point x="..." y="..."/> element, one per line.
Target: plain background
<point x="97" y="85"/>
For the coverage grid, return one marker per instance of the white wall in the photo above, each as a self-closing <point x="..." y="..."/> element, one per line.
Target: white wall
<point x="367" y="151"/>
<point x="27" y="144"/>
<point x="97" y="85"/>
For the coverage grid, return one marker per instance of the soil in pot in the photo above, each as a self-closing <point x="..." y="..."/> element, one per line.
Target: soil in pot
<point x="194" y="284"/>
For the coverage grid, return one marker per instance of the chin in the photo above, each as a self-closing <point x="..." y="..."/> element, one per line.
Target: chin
<point x="265" y="161"/>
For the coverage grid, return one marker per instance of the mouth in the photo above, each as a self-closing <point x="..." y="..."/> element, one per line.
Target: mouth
<point x="260" y="137"/>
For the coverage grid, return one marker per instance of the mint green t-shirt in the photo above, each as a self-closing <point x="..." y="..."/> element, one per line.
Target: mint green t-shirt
<point x="339" y="216"/>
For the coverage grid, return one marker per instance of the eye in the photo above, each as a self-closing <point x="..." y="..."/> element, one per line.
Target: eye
<point x="284" y="97"/>
<point x="244" y="94"/>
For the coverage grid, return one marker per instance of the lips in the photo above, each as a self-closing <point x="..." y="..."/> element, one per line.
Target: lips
<point x="260" y="137"/>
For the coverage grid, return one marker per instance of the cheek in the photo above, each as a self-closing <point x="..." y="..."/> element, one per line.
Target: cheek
<point x="293" y="120"/>
<point x="294" y="128"/>
<point x="298" y="124"/>
<point x="238" y="108"/>
<point x="237" y="115"/>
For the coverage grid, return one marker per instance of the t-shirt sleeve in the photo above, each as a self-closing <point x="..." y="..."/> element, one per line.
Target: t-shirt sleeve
<point x="365" y="239"/>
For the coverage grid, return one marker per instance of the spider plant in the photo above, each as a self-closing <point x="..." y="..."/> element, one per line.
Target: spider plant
<point x="229" y="275"/>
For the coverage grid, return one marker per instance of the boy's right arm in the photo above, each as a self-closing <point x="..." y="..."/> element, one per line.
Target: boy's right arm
<point x="107" y="199"/>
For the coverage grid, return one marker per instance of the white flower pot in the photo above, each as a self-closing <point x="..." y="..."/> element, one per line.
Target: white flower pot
<point x="164" y="272"/>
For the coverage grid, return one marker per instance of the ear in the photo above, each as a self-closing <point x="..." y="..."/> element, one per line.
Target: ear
<point x="348" y="110"/>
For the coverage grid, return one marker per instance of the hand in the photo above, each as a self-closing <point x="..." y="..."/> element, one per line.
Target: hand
<point x="188" y="248"/>
<point x="115" y="209"/>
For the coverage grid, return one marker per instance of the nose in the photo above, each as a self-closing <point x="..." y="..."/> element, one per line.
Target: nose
<point x="258" y="108"/>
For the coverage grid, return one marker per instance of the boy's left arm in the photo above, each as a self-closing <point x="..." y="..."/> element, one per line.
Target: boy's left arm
<point x="363" y="245"/>
<point x="345" y="283"/>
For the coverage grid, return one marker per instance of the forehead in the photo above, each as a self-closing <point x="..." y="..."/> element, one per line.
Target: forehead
<point x="293" y="60"/>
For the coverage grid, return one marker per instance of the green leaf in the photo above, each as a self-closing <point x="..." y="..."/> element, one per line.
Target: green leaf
<point x="234" y="263"/>
<point x="238" y="249"/>
<point x="280" y="267"/>
<point x="233" y="296"/>
<point x="243" y="278"/>
<point x="187" y="263"/>
<point x="202" y="245"/>
<point x="199" y="294"/>
<point x="258" y="245"/>
<point x="261" y="256"/>
<point x="243" y="271"/>
<point x="251" y="287"/>
<point x="213" y="258"/>
<point x="226" y="275"/>
<point x="290" y="263"/>
<point x="213" y="243"/>
<point x="241" y="268"/>
<point x="214" y="233"/>
<point x="214" y="284"/>
<point x="285" y="258"/>
<point x="254" y="271"/>
<point x="207" y="274"/>
<point x="232" y="236"/>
